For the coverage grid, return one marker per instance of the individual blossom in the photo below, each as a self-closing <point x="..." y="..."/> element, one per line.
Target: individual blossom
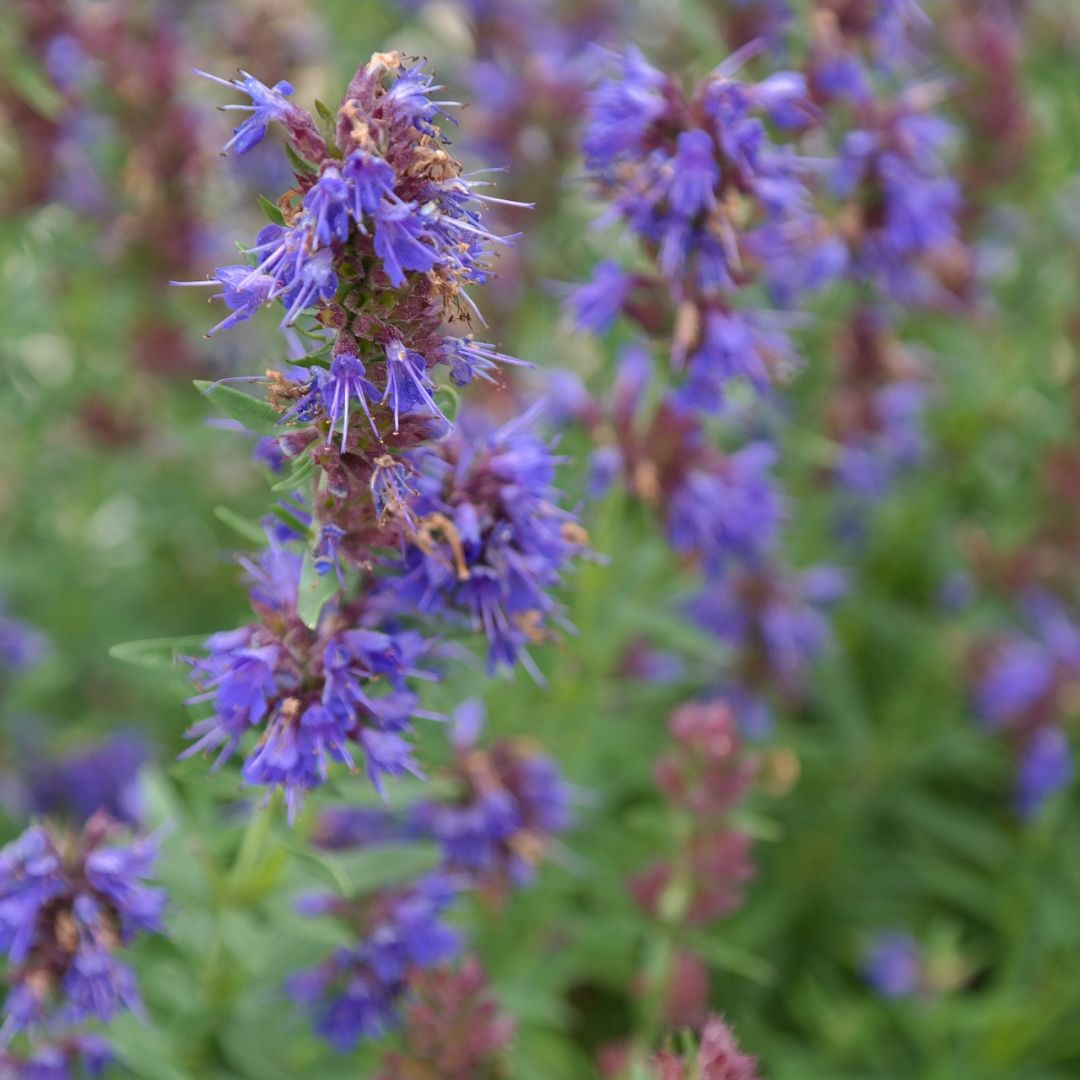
<point x="453" y="1028"/>
<point x="357" y="993"/>
<point x="893" y="965"/>
<point x="66" y="907"/>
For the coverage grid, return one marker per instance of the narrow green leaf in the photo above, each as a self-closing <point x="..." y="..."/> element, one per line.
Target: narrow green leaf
<point x="248" y="529"/>
<point x="324" y="112"/>
<point x="314" y="591"/>
<point x="298" y="163"/>
<point x="728" y="957"/>
<point x="272" y="211"/>
<point x="257" y="416"/>
<point x="300" y="472"/>
<point x="155" y="652"/>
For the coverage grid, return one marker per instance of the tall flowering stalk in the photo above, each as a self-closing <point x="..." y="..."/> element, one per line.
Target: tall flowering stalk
<point x="404" y="521"/>
<point x="371" y="259"/>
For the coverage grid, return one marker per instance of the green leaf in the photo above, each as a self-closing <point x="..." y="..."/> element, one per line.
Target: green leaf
<point x="257" y="416"/>
<point x="314" y="591"/>
<point x="728" y="957"/>
<point x="358" y="873"/>
<point x="272" y="210"/>
<point x="294" y="523"/>
<point x="298" y="163"/>
<point x="325" y="113"/>
<point x="155" y="652"/>
<point x="248" y="529"/>
<point x="300" y="472"/>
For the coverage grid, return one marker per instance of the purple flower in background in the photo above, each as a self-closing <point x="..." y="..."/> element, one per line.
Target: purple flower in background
<point x="893" y="965"/>
<point x="1044" y="768"/>
<point x="1024" y="677"/>
<point x="78" y="784"/>
<point x="356" y="994"/>
<point x="595" y="306"/>
<point x="776" y="619"/>
<point x="62" y="918"/>
<point x="22" y="646"/>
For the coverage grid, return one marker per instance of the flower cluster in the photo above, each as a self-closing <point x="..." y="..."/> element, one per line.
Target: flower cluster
<point x="355" y="994"/>
<point x="508" y="804"/>
<point x="317" y="694"/>
<point x="67" y="905"/>
<point x="485" y="540"/>
<point x="703" y="185"/>
<point x="718" y="1057"/>
<point x="1025" y="688"/>
<point x="703" y="776"/>
<point x="893" y="965"/>
<point x="454" y="1029"/>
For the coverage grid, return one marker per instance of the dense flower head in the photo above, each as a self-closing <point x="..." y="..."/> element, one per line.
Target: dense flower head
<point x="775" y="618"/>
<point x="66" y="906"/>
<point x="697" y="178"/>
<point x="718" y="1057"/>
<point x="453" y="1028"/>
<point x="484" y="539"/>
<point x="705" y="771"/>
<point x="371" y="250"/>
<point x="334" y="692"/>
<point x="356" y="994"/>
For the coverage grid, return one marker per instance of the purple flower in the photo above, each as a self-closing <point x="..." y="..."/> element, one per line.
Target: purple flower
<point x="596" y="305"/>
<point x="778" y="616"/>
<point x="408" y="387"/>
<point x="268" y="103"/>
<point x="328" y="204"/>
<point x="490" y="541"/>
<point x="346" y="382"/>
<point x="732" y="511"/>
<point x="893" y="965"/>
<point x="696" y="175"/>
<point x="59" y="918"/>
<point x="369" y="179"/>
<point x="1045" y="767"/>
<point x="101" y="777"/>
<point x="399" y="241"/>
<point x="356" y="993"/>
<point x="621" y="110"/>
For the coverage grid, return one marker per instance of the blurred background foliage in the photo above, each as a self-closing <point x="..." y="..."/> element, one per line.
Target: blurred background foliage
<point x="882" y="805"/>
